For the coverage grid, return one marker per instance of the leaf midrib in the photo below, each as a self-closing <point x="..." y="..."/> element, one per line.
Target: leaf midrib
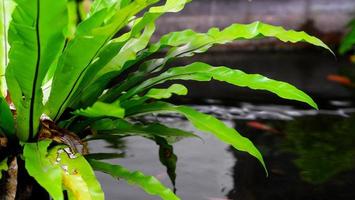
<point x="35" y="78"/>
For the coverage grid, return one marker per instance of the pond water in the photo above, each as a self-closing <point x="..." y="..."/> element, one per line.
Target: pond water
<point x="309" y="155"/>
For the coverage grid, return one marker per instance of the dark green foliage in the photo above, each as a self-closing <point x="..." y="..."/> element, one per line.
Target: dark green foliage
<point x="323" y="149"/>
<point x="349" y="40"/>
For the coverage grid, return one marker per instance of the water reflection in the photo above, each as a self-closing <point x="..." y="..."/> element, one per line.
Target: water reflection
<point x="324" y="146"/>
<point x="310" y="157"/>
<point x="309" y="154"/>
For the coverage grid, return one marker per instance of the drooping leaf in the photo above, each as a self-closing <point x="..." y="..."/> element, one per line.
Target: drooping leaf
<point x="114" y="55"/>
<point x="128" y="51"/>
<point x="122" y="128"/>
<point x="187" y="43"/>
<point x="168" y="158"/>
<point x="147" y="22"/>
<point x="101" y="109"/>
<point x="7" y="124"/>
<point x="148" y="183"/>
<point x="77" y="175"/>
<point x="91" y="35"/>
<point x="6" y="8"/>
<point x="122" y="50"/>
<point x="203" y="72"/>
<point x="3" y="166"/>
<point x="202" y="122"/>
<point x="35" y="45"/>
<point x="41" y="168"/>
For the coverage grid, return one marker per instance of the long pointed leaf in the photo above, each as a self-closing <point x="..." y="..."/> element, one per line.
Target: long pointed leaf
<point x="203" y="122"/>
<point x="148" y="183"/>
<point x="122" y="50"/>
<point x="91" y="35"/>
<point x="122" y="128"/>
<point x="115" y="54"/>
<point x="6" y="9"/>
<point x="203" y="72"/>
<point x="188" y="42"/>
<point x="35" y="45"/>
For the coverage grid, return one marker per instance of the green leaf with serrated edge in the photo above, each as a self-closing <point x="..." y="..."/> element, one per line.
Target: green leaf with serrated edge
<point x="41" y="168"/>
<point x="35" y="45"/>
<point x="202" y="122"/>
<point x="7" y="123"/>
<point x="149" y="184"/>
<point x="101" y="109"/>
<point x="203" y="72"/>
<point x="187" y="43"/>
<point x="6" y="8"/>
<point x="77" y="175"/>
<point x="91" y="35"/>
<point x="3" y="166"/>
<point x="122" y="128"/>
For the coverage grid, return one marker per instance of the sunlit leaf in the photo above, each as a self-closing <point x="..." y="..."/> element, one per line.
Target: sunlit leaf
<point x="202" y="122"/>
<point x="6" y="8"/>
<point x="156" y="93"/>
<point x="149" y="184"/>
<point x="204" y="72"/>
<point x="100" y="109"/>
<point x="35" y="45"/>
<point x="187" y="43"/>
<point x="123" y="51"/>
<point x="41" y="168"/>
<point x="111" y="58"/>
<point x="98" y="5"/>
<point x="91" y="35"/>
<point x="77" y="176"/>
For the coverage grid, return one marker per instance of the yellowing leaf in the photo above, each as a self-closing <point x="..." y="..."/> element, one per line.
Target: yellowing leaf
<point x="77" y="176"/>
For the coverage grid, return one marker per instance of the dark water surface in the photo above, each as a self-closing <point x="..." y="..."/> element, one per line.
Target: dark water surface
<point x="309" y="154"/>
